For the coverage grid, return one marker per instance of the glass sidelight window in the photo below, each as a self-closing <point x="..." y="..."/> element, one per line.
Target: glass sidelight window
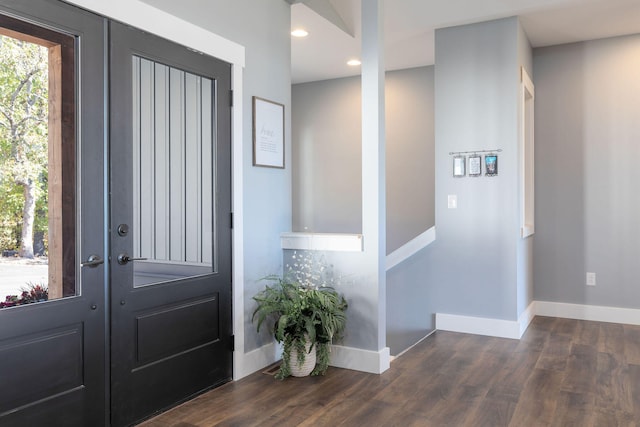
<point x="173" y="188"/>
<point x="37" y="164"/>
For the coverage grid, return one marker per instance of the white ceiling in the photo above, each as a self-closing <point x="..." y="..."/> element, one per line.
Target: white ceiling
<point x="409" y="28"/>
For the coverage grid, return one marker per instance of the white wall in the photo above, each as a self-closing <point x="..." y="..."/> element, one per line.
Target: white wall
<point x="587" y="146"/>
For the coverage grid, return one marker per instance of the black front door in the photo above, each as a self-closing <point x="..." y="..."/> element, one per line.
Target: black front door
<point x="52" y="109"/>
<point x="170" y="204"/>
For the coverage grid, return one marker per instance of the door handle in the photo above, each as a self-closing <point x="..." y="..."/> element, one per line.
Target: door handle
<point x="93" y="261"/>
<point x="125" y="258"/>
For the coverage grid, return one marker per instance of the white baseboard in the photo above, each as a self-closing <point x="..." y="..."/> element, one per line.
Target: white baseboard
<point x="526" y="317"/>
<point x="374" y="362"/>
<point x="486" y="326"/>
<point x="515" y="329"/>
<point x="596" y="313"/>
<point x="256" y="360"/>
<point x="478" y="325"/>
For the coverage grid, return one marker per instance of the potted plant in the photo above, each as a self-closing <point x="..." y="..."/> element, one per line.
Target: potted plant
<point x="306" y="318"/>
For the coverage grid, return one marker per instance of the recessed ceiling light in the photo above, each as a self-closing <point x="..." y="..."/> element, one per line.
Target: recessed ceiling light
<point x="354" y="62"/>
<point x="299" y="32"/>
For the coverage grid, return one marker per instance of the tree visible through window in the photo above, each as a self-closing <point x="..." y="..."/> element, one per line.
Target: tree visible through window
<point x="23" y="167"/>
<point x="23" y="146"/>
<point x="37" y="164"/>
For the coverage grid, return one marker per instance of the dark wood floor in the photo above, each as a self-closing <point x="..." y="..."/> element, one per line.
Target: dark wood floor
<point x="561" y="373"/>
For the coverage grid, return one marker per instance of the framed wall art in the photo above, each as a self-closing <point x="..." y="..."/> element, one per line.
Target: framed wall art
<point x="475" y="165"/>
<point x="491" y="164"/>
<point x="268" y="133"/>
<point x="458" y="166"/>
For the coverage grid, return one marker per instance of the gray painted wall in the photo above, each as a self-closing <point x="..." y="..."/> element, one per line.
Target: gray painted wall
<point x="410" y="154"/>
<point x="472" y="266"/>
<point x="262" y="28"/>
<point x="327" y="167"/>
<point x="326" y="133"/>
<point x="587" y="199"/>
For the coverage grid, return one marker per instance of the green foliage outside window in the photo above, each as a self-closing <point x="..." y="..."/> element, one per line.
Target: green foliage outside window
<point x="23" y="144"/>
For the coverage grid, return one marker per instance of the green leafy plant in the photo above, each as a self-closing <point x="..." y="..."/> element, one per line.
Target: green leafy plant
<point x="299" y="312"/>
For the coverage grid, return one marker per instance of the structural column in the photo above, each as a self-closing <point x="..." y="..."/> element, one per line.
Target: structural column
<point x="373" y="158"/>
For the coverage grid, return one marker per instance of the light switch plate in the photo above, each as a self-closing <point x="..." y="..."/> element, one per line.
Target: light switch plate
<point x="591" y="279"/>
<point x="452" y="201"/>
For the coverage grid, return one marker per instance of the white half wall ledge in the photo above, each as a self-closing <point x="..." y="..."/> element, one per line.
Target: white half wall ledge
<point x="322" y="242"/>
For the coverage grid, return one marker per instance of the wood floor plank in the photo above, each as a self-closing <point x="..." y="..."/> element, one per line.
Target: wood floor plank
<point x="555" y="353"/>
<point x="574" y="410"/>
<point x="533" y="413"/>
<point x="634" y="379"/>
<point x="561" y="373"/>
<point x="587" y="333"/>
<point x="581" y="366"/>
<point x="632" y="343"/>
<point x="491" y="412"/>
<point x="543" y="323"/>
<point x="565" y="327"/>
<point x="512" y="378"/>
<point x="611" y="338"/>
<point x="613" y="383"/>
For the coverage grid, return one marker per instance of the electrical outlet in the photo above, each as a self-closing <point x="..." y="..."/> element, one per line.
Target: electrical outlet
<point x="591" y="279"/>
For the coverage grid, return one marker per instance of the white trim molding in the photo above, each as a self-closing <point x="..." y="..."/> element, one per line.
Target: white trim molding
<point x="526" y="317"/>
<point x="374" y="362"/>
<point x="161" y="23"/>
<point x="501" y="328"/>
<point x="629" y="316"/>
<point x="515" y="329"/>
<point x="322" y="242"/>
<point x="478" y="325"/>
<point x="241" y="363"/>
<point x="256" y="360"/>
<point x="410" y="248"/>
